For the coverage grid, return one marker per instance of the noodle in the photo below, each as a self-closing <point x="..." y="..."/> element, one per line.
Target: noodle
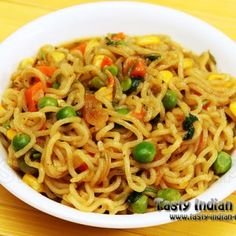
<point x="86" y="159"/>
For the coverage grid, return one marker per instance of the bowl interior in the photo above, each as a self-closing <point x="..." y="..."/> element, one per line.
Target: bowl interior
<point x="137" y="19"/>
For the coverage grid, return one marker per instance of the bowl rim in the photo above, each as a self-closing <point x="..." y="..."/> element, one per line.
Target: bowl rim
<point x="16" y="186"/>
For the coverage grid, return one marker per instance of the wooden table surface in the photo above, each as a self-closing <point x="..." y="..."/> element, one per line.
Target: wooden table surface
<point x="19" y="219"/>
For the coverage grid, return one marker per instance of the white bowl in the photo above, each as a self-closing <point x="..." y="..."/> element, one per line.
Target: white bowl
<point x="98" y="19"/>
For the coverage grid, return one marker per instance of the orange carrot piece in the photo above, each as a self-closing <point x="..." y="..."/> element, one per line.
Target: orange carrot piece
<point x="139" y="115"/>
<point x="47" y="70"/>
<point x="139" y="69"/>
<point x="118" y="36"/>
<point x="106" y="62"/>
<point x="33" y="94"/>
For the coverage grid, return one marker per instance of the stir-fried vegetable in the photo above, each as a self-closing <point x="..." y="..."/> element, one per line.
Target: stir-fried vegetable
<point x="96" y="83"/>
<point x="113" y="69"/>
<point x="139" y="69"/>
<point x="123" y="111"/>
<point x="222" y="163"/>
<point x="107" y="61"/>
<point x="188" y="126"/>
<point x="139" y="115"/>
<point x="20" y="141"/>
<point x="144" y="152"/>
<point x="169" y="194"/>
<point x="47" y="101"/>
<point x="66" y="112"/>
<point x="126" y="84"/>
<point x="47" y="70"/>
<point x="170" y="100"/>
<point x="138" y="202"/>
<point x="155" y="120"/>
<point x="33" y="94"/>
<point x="55" y="85"/>
<point x="115" y="39"/>
<point x="134" y="85"/>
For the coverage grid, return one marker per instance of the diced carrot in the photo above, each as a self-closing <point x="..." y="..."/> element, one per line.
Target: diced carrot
<point x="47" y="70"/>
<point x="81" y="47"/>
<point x="205" y="106"/>
<point x="139" y="69"/>
<point x="139" y="115"/>
<point x="118" y="36"/>
<point x="33" y="94"/>
<point x="106" y="62"/>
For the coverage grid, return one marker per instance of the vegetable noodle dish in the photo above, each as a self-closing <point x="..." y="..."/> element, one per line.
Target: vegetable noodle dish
<point x="111" y="124"/>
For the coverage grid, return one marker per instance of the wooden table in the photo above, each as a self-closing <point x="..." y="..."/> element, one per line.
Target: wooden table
<point x="16" y="217"/>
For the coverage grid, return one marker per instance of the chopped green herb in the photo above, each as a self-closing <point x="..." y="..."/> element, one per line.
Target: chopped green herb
<point x="188" y="122"/>
<point x="189" y="134"/>
<point x="111" y="42"/>
<point x="188" y="126"/>
<point x="155" y="120"/>
<point x="133" y="197"/>
<point x="153" y="57"/>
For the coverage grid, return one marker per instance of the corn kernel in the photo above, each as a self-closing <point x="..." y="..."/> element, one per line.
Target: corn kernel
<point x="105" y="92"/>
<point x="232" y="108"/>
<point x="26" y="63"/>
<point x="11" y="133"/>
<point x="97" y="61"/>
<point x="33" y="182"/>
<point x="57" y="56"/>
<point x="166" y="75"/>
<point x="216" y="77"/>
<point x="147" y="40"/>
<point x="187" y="63"/>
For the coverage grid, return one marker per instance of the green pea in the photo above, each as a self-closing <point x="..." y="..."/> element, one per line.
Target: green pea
<point x="96" y="83"/>
<point x="20" y="141"/>
<point x="123" y="111"/>
<point x="169" y="194"/>
<point x="140" y="205"/>
<point x="134" y="85"/>
<point x="113" y="69"/>
<point x="170" y="100"/>
<point x="55" y="85"/>
<point x="144" y="152"/>
<point x="222" y="163"/>
<point x="126" y="84"/>
<point x="66" y="112"/>
<point x="47" y="101"/>
<point x="24" y="167"/>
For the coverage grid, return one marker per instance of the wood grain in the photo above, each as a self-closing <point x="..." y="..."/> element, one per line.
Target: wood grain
<point x="19" y="219"/>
